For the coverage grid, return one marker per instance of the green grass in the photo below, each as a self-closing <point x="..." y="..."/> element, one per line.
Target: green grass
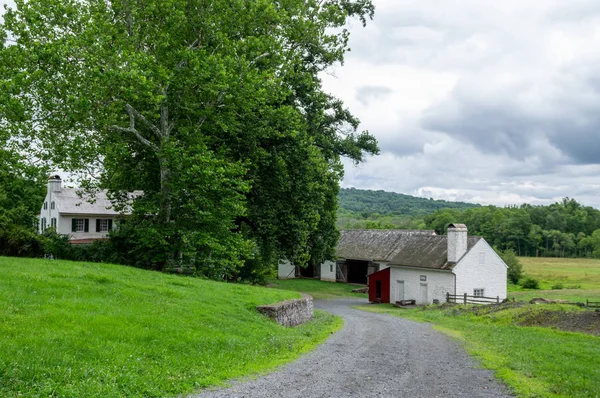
<point x="533" y="361"/>
<point x="580" y="279"/>
<point x="319" y="290"/>
<point x="85" y="329"/>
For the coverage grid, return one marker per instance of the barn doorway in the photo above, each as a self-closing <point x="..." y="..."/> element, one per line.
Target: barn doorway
<point x="378" y="290"/>
<point x="357" y="271"/>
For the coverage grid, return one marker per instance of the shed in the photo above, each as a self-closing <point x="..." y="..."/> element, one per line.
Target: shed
<point x="379" y="286"/>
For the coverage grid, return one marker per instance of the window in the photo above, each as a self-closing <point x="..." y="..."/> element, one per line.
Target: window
<point x="331" y="267"/>
<point x="481" y="258"/>
<point x="45" y="205"/>
<point x="478" y="292"/>
<point x="53" y="222"/>
<point x="80" y="225"/>
<point x="103" y="225"/>
<point x="43" y="224"/>
<point x="423" y="278"/>
<point x="52" y="206"/>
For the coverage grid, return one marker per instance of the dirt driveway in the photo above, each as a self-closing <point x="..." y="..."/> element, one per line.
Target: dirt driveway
<point x="375" y="355"/>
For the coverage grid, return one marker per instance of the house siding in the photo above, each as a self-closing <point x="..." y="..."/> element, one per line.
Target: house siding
<point x="438" y="284"/>
<point x="491" y="275"/>
<point x="65" y="225"/>
<point x="328" y="271"/>
<point x="286" y="270"/>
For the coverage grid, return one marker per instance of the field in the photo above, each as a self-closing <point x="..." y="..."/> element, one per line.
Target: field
<point x="580" y="279"/>
<point x="319" y="290"/>
<point x="532" y="361"/>
<point x="74" y="329"/>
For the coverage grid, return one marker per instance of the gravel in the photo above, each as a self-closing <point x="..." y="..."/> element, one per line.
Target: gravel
<point x="374" y="355"/>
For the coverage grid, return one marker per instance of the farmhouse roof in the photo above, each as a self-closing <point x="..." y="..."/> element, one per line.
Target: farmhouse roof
<point x="427" y="251"/>
<point x="68" y="201"/>
<point x="375" y="244"/>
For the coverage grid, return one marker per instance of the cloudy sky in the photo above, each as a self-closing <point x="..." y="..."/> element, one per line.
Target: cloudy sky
<point x="494" y="102"/>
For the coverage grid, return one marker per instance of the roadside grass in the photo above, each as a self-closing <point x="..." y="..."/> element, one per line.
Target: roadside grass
<point x="532" y="361"/>
<point x="580" y="279"/>
<point x="75" y="329"/>
<point x="319" y="290"/>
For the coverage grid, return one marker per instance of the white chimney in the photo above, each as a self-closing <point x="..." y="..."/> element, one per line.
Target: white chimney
<point x="54" y="184"/>
<point x="457" y="242"/>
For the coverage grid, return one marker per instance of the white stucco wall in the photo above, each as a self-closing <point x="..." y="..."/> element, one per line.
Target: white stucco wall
<point x="481" y="268"/>
<point x="438" y="284"/>
<point x="328" y="270"/>
<point x="286" y="270"/>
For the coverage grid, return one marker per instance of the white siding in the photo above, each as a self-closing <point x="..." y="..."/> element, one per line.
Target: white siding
<point x="65" y="225"/>
<point x="438" y="283"/>
<point x="328" y="269"/>
<point x="286" y="270"/>
<point x="491" y="275"/>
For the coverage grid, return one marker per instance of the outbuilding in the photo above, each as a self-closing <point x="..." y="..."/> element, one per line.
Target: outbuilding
<point x="427" y="268"/>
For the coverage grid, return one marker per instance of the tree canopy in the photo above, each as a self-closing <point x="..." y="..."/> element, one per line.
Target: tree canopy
<point x="213" y="108"/>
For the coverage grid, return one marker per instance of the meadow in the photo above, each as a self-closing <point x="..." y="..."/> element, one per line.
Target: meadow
<point x="319" y="290"/>
<point x="578" y="278"/>
<point x="74" y="329"/>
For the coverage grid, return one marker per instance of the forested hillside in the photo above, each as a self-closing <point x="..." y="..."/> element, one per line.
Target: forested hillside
<point x="562" y="229"/>
<point x="359" y="208"/>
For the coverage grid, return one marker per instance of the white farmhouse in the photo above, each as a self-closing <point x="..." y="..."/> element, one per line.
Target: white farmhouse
<point x="70" y="214"/>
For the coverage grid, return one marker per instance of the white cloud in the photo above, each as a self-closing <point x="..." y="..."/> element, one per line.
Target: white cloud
<point x="483" y="101"/>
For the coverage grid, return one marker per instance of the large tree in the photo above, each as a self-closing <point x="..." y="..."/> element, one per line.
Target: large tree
<point x="213" y="108"/>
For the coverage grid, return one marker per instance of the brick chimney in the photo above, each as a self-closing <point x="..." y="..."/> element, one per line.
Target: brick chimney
<point x="54" y="184"/>
<point x="457" y="242"/>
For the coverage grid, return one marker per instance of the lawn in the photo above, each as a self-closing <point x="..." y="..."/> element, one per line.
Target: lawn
<point x="319" y="290"/>
<point x="580" y="279"/>
<point x="533" y="361"/>
<point x="85" y="329"/>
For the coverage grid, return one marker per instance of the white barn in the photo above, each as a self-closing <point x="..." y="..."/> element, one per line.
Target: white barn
<point x="415" y="265"/>
<point x="70" y="214"/>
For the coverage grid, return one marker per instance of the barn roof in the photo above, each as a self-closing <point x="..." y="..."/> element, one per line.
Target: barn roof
<point x="427" y="251"/>
<point x="375" y="244"/>
<point x="69" y="202"/>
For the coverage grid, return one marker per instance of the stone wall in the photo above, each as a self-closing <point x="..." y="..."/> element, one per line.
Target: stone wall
<point x="290" y="312"/>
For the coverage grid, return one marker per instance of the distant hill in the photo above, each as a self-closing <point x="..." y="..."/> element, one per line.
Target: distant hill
<point x="366" y="202"/>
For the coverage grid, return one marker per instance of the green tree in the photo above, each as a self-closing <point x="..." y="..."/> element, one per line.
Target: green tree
<point x="515" y="268"/>
<point x="213" y="108"/>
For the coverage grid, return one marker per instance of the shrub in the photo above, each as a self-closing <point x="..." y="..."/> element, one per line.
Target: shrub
<point x="515" y="268"/>
<point x="530" y="283"/>
<point x="557" y="286"/>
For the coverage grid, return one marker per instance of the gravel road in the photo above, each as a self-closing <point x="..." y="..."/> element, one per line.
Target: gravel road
<point x="374" y="355"/>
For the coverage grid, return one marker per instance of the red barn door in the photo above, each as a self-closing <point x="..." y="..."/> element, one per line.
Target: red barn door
<point x="379" y="286"/>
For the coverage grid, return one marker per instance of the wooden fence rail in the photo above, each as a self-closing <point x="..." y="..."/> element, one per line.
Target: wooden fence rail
<point x="592" y="304"/>
<point x="466" y="299"/>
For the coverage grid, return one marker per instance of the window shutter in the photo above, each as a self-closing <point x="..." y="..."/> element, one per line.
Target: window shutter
<point x="74" y="225"/>
<point x="86" y="224"/>
<point x="97" y="225"/>
<point x="110" y="224"/>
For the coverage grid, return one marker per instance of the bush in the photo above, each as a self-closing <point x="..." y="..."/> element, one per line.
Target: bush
<point x="515" y="268"/>
<point x="530" y="283"/>
<point x="19" y="241"/>
<point x="558" y="286"/>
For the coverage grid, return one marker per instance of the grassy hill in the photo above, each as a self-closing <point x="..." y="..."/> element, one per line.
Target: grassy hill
<point x="97" y="330"/>
<point x="359" y="208"/>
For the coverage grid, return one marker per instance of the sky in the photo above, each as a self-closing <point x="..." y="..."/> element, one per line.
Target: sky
<point x="492" y="102"/>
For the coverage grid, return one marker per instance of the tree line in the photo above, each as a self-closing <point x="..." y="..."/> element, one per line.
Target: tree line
<point x="563" y="229"/>
<point x="214" y="109"/>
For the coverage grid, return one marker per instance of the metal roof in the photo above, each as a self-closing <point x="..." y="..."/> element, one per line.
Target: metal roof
<point x="375" y="244"/>
<point x="69" y="202"/>
<point x="427" y="251"/>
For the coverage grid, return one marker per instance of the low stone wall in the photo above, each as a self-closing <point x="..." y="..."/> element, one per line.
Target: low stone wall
<point x="290" y="312"/>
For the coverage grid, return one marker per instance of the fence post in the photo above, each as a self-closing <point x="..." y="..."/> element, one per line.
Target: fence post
<point x="447" y="297"/>
<point x="465" y="298"/>
<point x="497" y="299"/>
<point x="587" y="302"/>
